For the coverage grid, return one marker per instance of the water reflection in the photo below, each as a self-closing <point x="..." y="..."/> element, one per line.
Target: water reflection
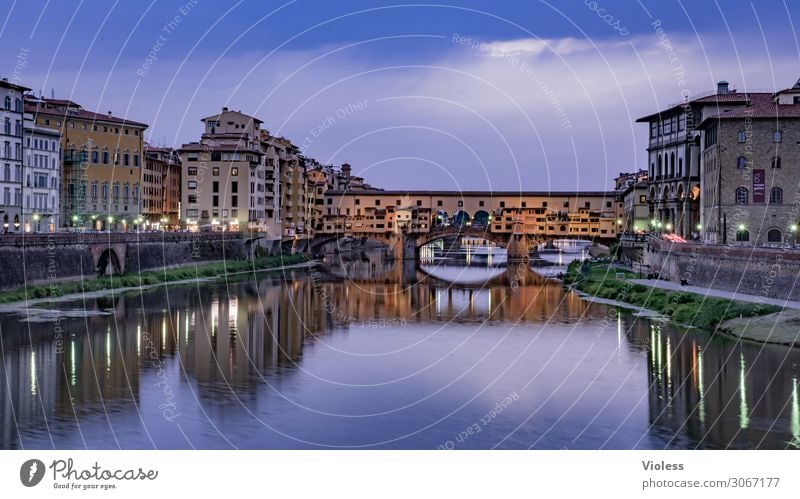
<point x="367" y="352"/>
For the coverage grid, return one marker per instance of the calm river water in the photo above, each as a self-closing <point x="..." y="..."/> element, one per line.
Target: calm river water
<point x="367" y="353"/>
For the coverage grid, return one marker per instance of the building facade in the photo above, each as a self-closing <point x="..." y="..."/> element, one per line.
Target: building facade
<point x="102" y="164"/>
<point x="674" y="161"/>
<point x="750" y="183"/>
<point x="42" y="175"/>
<point x="587" y="215"/>
<point x="153" y="187"/>
<point x="221" y="175"/>
<point x="11" y="176"/>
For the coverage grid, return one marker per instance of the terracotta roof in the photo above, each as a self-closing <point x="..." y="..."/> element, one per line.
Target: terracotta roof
<point x="7" y="84"/>
<point x="730" y="97"/>
<point x="772" y="111"/>
<point x="81" y="114"/>
<point x="216" y="117"/>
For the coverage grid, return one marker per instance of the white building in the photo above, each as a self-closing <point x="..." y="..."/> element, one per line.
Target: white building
<point x="11" y="118"/>
<point x="42" y="176"/>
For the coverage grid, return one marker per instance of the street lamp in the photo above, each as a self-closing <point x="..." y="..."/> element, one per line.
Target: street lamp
<point x="793" y="228"/>
<point x="668" y="227"/>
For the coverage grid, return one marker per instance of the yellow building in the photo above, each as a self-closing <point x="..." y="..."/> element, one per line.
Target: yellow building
<point x="102" y="164"/>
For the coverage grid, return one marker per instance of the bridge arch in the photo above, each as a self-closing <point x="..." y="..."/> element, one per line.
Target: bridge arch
<point x="108" y="263"/>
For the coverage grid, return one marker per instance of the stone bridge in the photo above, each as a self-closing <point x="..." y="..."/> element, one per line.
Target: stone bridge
<point x="406" y="244"/>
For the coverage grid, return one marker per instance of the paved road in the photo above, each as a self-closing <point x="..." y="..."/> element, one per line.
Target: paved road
<point x="717" y="293"/>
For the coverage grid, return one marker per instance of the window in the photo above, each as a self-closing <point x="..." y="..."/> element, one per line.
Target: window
<point x="742" y="235"/>
<point x="105" y="157"/>
<point x="192" y="184"/>
<point x="234" y="187"/>
<point x="215" y="171"/>
<point x="774" y="236"/>
<point x="461" y="203"/>
<point x="135" y="160"/>
<point x="215" y="200"/>
<point x="192" y="198"/>
<point x="235" y="171"/>
<point x="105" y="191"/>
<point x="94" y="189"/>
<point x="776" y="162"/>
<point x="377" y="202"/>
<point x="776" y="195"/>
<point x="358" y="201"/>
<point x="742" y="136"/>
<point x="234" y="201"/>
<point x="742" y="195"/>
<point x="95" y="157"/>
<point x="116" y="190"/>
<point x="8" y="103"/>
<point x="215" y="186"/>
<point x="192" y="170"/>
<point x="777" y="137"/>
<point x="216" y="156"/>
<point x="741" y="162"/>
<point x="439" y="203"/>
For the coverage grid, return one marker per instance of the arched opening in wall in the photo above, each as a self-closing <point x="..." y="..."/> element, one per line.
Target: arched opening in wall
<point x="440" y="218"/>
<point x="461" y="217"/>
<point x="694" y="193"/>
<point x="742" y="235"/>
<point x="481" y="219"/>
<point x="108" y="263"/>
<point x="665" y="194"/>
<point x="660" y="170"/>
<point x="774" y="236"/>
<point x="681" y="194"/>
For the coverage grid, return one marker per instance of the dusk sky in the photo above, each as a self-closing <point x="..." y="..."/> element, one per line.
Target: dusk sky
<point x="504" y="95"/>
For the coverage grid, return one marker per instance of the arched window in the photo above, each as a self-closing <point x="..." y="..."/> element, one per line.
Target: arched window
<point x="660" y="171"/>
<point x="741" y="162"/>
<point x="776" y="195"/>
<point x="742" y="196"/>
<point x="774" y="236"/>
<point x="652" y="170"/>
<point x="742" y="136"/>
<point x="777" y="136"/>
<point x="742" y="235"/>
<point x="776" y="162"/>
<point x="672" y="164"/>
<point x="8" y="103"/>
<point x="680" y="167"/>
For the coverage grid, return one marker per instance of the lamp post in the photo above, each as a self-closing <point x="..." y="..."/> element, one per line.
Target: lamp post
<point x="793" y="228"/>
<point x="742" y="229"/>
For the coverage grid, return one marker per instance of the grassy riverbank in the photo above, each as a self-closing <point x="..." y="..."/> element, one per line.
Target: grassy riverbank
<point x="682" y="307"/>
<point x="149" y="277"/>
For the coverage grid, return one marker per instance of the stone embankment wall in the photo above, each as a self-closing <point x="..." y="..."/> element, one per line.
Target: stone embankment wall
<point x="768" y="272"/>
<point x="34" y="259"/>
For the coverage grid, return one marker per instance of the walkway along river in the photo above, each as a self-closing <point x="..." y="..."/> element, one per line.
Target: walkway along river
<point x="370" y="353"/>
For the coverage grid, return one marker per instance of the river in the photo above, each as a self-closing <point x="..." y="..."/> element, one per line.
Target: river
<point x="369" y="353"/>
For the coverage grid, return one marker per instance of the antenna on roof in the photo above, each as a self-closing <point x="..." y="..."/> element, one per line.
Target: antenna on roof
<point x="52" y="93"/>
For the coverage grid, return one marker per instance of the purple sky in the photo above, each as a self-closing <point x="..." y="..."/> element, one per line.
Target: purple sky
<point x="522" y="95"/>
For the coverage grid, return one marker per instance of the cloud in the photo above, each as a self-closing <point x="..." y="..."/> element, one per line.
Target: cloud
<point x="536" y="46"/>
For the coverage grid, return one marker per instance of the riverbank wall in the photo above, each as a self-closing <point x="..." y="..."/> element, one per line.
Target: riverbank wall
<point x="768" y="272"/>
<point x="34" y="259"/>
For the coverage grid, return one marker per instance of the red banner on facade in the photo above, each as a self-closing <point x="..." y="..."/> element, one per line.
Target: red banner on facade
<point x="758" y="186"/>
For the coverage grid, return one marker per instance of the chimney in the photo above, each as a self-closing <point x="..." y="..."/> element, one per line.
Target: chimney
<point x="722" y="87"/>
<point x="109" y="114"/>
<point x="224" y="109"/>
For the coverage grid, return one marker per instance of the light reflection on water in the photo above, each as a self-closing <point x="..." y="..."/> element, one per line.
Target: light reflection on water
<point x="373" y="353"/>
